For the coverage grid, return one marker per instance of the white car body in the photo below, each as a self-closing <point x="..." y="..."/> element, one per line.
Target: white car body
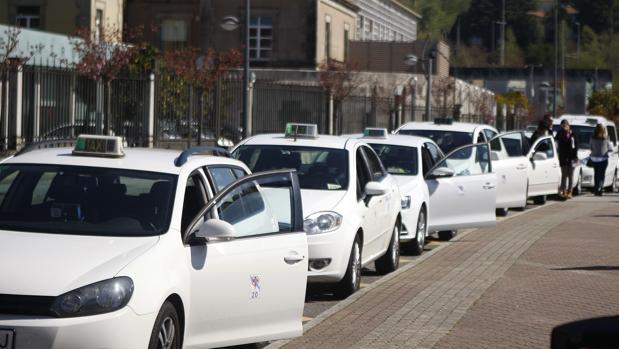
<point x="439" y="204"/>
<point x="374" y="220"/>
<point x="208" y="281"/>
<point x="584" y="174"/>
<point x="511" y="181"/>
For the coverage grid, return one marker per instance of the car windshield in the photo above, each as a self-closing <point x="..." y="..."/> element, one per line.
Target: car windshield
<point x="447" y="140"/>
<point x="317" y="168"/>
<point x="398" y="160"/>
<point x="583" y="134"/>
<point x="85" y="200"/>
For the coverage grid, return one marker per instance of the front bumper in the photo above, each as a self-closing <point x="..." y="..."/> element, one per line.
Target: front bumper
<point x="119" y="329"/>
<point x="587" y="177"/>
<point x="409" y="225"/>
<point x="334" y="246"/>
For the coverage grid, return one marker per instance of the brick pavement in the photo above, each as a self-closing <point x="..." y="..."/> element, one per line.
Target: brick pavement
<point x="492" y="288"/>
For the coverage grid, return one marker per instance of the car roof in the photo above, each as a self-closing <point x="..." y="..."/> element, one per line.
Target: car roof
<point x="582" y="120"/>
<point x="456" y="126"/>
<point x="140" y="159"/>
<point x="402" y="140"/>
<point x="322" y="141"/>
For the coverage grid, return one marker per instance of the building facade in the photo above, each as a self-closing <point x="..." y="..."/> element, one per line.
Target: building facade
<point x="386" y="20"/>
<point x="63" y="16"/>
<point x="283" y="33"/>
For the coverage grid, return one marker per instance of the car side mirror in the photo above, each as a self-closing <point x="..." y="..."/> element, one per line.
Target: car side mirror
<point x="441" y="172"/>
<point x="216" y="230"/>
<point x="494" y="156"/>
<point x="375" y="189"/>
<point x="538" y="156"/>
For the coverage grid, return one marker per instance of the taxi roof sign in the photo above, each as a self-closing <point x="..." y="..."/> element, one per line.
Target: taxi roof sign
<point x="95" y="145"/>
<point x="294" y="130"/>
<point x="443" y="121"/>
<point x="375" y="132"/>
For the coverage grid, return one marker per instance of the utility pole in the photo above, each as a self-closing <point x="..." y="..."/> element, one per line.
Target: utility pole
<point x="503" y="23"/>
<point x="556" y="62"/>
<point x="247" y="123"/>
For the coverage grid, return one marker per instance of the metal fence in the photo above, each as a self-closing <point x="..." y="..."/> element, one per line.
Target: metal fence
<point x="42" y="103"/>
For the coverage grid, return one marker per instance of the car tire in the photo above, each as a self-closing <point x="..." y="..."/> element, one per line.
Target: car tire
<point x="352" y="279"/>
<point x="578" y="188"/>
<point x="446" y="235"/>
<point x="390" y="261"/>
<point x="166" y="333"/>
<point x="502" y="212"/>
<point x="539" y="200"/>
<point x="416" y="246"/>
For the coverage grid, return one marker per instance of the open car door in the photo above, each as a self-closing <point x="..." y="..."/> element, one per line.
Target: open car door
<point x="462" y="190"/>
<point x="544" y="171"/>
<point x="510" y="163"/>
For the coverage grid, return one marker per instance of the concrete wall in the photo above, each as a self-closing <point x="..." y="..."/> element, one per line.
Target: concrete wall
<point x="340" y="18"/>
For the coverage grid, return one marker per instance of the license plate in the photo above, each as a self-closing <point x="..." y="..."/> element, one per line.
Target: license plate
<point x="7" y="339"/>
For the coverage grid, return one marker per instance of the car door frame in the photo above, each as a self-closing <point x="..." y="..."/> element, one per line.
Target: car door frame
<point x="450" y="219"/>
<point x="550" y="179"/>
<point x="290" y="326"/>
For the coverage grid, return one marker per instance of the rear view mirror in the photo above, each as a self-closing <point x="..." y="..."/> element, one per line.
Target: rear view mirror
<point x="442" y="172"/>
<point x="375" y="189"/>
<point x="538" y="156"/>
<point x="216" y="230"/>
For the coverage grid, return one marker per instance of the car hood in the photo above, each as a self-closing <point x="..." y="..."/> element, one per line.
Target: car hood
<point x="38" y="264"/>
<point x="320" y="200"/>
<point x="583" y="153"/>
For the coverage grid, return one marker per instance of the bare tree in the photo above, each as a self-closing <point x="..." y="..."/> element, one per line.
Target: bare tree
<point x="443" y="95"/>
<point x="339" y="80"/>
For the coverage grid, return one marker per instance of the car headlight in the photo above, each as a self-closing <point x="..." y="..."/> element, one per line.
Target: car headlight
<point x="98" y="298"/>
<point x="406" y="202"/>
<point x="322" y="222"/>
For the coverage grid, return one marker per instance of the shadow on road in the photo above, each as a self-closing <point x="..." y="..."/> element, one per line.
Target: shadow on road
<point x="592" y="268"/>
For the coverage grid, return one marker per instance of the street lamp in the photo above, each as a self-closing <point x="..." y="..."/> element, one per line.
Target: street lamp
<point x="412" y="60"/>
<point x="230" y="23"/>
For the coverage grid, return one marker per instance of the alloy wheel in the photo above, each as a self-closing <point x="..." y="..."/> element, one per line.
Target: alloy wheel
<point x="167" y="332"/>
<point x="421" y="230"/>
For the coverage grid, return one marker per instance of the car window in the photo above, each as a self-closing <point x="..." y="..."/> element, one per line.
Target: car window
<point x="545" y="146"/>
<point x="81" y="200"/>
<point x="221" y="176"/>
<point x="489" y="133"/>
<point x="426" y="160"/>
<point x="363" y="174"/>
<point x="194" y="199"/>
<point x="398" y="160"/>
<point x="466" y="161"/>
<point x="481" y="138"/>
<point x="377" y="171"/>
<point x="239" y="173"/>
<point x="612" y="134"/>
<point x="513" y="144"/>
<point x="435" y="152"/>
<point x="447" y="140"/>
<point x="258" y="207"/>
<point x="317" y="168"/>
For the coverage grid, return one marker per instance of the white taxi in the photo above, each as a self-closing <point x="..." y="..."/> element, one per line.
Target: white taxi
<point x="135" y="248"/>
<point x="351" y="205"/>
<point x="583" y="127"/>
<point x="435" y="201"/>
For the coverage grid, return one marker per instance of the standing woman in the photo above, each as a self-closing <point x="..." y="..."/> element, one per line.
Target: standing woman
<point x="600" y="147"/>
<point x="568" y="153"/>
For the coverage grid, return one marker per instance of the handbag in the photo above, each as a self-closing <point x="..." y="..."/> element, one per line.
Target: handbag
<point x="589" y="162"/>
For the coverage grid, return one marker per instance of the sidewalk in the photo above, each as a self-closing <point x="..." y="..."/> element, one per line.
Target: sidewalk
<point x="503" y="287"/>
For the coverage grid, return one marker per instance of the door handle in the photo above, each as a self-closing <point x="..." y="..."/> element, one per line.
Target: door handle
<point x="293" y="258"/>
<point x="521" y="167"/>
<point x="489" y="186"/>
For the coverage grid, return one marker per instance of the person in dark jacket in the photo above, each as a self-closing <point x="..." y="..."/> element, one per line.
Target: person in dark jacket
<point x="542" y="131"/>
<point x="568" y="154"/>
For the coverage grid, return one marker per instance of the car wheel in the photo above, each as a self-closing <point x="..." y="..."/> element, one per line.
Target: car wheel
<point x="416" y="246"/>
<point x="539" y="200"/>
<point x="578" y="188"/>
<point x="390" y="261"/>
<point x="446" y="235"/>
<point x="502" y="212"/>
<point x="166" y="333"/>
<point x="352" y="279"/>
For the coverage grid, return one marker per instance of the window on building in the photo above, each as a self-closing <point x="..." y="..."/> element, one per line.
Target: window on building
<point x="328" y="42"/>
<point x="173" y="34"/>
<point x="260" y="38"/>
<point x="360" y="28"/>
<point x="346" y="44"/>
<point x="28" y="17"/>
<point x="98" y="24"/>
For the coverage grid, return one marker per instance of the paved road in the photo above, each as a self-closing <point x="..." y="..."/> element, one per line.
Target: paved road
<point x="490" y="288"/>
